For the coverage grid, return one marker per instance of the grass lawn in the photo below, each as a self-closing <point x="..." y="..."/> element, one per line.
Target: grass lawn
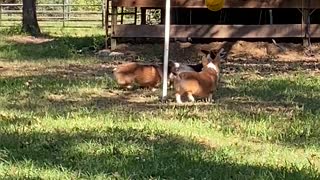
<point x="62" y="117"/>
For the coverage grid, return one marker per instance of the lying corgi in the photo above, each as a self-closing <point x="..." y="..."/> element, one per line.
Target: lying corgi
<point x="201" y="84"/>
<point x="145" y="75"/>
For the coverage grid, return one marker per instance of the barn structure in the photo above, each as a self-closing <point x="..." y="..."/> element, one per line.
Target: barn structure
<point x="239" y="19"/>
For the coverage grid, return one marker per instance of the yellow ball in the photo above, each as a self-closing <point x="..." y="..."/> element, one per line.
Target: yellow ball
<point x="215" y="5"/>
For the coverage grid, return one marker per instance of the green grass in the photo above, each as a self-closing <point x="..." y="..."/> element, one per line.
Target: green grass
<point x="61" y="44"/>
<point x="62" y="117"/>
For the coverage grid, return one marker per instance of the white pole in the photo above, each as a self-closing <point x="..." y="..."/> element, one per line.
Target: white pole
<point x="166" y="50"/>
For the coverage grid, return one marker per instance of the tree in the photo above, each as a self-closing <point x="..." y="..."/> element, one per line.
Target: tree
<point x="29" y="20"/>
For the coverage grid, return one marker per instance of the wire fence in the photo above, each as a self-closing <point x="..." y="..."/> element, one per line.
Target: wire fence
<point x="57" y="15"/>
<point x="66" y="14"/>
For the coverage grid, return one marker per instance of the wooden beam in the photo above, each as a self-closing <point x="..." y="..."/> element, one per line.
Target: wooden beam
<point x="228" y="3"/>
<point x="216" y="31"/>
<point x="143" y="16"/>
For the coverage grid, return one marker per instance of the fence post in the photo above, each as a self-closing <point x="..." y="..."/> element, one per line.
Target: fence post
<point x="107" y="23"/>
<point x="121" y="17"/>
<point x="135" y="15"/>
<point x="113" y="24"/>
<point x="0" y="14"/>
<point x="103" y="13"/>
<point x="63" y="12"/>
<point x="68" y="9"/>
<point x="306" y="27"/>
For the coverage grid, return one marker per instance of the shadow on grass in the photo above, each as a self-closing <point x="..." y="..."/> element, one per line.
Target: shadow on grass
<point x="305" y="93"/>
<point x="290" y="108"/>
<point x="56" y="94"/>
<point x="133" y="153"/>
<point x="29" y="48"/>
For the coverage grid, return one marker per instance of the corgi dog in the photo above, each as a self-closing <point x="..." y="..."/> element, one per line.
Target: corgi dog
<point x="145" y="75"/>
<point x="202" y="84"/>
<point x="177" y="68"/>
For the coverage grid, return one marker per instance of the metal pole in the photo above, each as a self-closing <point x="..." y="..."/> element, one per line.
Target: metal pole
<point x="270" y="16"/>
<point x="166" y="50"/>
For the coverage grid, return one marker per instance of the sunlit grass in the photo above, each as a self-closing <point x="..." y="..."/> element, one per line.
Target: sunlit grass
<point x="63" y="117"/>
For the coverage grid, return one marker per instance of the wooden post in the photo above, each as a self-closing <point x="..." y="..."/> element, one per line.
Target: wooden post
<point x="0" y="14"/>
<point x="306" y="22"/>
<point x="113" y="24"/>
<point x="121" y="20"/>
<point x="103" y="14"/>
<point x="190" y="16"/>
<point x="107" y="17"/>
<point x="68" y="9"/>
<point x="135" y="15"/>
<point x="107" y="23"/>
<point x="305" y="25"/>
<point x="162" y="16"/>
<point x="143" y="16"/>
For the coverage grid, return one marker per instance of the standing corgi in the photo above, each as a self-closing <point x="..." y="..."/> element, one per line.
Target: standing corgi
<point x="176" y="68"/>
<point x="201" y="84"/>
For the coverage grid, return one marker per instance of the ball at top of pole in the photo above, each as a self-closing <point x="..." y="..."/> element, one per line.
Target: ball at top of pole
<point x="214" y="5"/>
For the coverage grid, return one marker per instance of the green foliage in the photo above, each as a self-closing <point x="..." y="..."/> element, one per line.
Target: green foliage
<point x="15" y="30"/>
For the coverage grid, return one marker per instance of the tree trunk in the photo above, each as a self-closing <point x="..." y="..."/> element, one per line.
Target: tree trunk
<point x="29" y="21"/>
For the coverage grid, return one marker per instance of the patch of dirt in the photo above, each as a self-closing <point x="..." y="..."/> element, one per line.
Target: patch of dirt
<point x="259" y="57"/>
<point x="65" y="71"/>
<point x="188" y="52"/>
<point x="28" y="39"/>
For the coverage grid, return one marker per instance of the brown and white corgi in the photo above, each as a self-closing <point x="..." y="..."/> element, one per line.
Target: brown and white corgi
<point x="177" y="67"/>
<point x="200" y="84"/>
<point x="144" y="75"/>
